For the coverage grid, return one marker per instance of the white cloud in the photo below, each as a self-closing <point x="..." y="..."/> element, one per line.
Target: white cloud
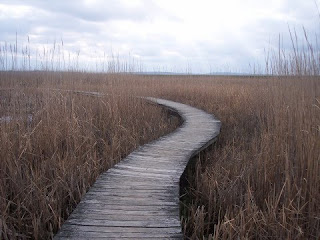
<point x="202" y="34"/>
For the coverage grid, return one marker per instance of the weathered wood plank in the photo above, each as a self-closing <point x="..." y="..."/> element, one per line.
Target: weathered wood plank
<point x="112" y="223"/>
<point x="131" y="197"/>
<point x="118" y="213"/>
<point x="137" y="210"/>
<point x="122" y="230"/>
<point x="121" y="217"/>
<point x="130" y="202"/>
<point x="139" y="197"/>
<point x="106" y="207"/>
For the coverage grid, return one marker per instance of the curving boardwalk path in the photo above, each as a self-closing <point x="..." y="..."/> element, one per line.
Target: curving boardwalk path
<point x="139" y="197"/>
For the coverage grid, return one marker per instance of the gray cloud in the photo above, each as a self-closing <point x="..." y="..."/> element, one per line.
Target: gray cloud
<point x="157" y="36"/>
<point x="96" y="11"/>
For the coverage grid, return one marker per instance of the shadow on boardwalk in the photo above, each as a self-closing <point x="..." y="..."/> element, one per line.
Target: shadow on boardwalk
<point x="139" y="197"/>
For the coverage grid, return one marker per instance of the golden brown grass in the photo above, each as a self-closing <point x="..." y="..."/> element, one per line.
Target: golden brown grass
<point x="54" y="144"/>
<point x="260" y="180"/>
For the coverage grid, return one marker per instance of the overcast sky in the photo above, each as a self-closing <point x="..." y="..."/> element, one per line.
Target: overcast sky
<point x="165" y="35"/>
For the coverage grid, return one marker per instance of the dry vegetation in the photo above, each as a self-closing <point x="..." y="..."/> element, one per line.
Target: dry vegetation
<point x="261" y="180"/>
<point x="262" y="177"/>
<point x="54" y="144"/>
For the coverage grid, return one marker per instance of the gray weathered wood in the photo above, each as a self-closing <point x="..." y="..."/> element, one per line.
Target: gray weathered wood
<point x="139" y="197"/>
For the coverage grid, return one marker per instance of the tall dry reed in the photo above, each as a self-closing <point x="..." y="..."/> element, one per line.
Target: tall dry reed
<point x="53" y="145"/>
<point x="262" y="178"/>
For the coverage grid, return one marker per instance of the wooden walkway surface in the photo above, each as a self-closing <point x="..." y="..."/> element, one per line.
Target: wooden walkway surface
<point x="139" y="197"/>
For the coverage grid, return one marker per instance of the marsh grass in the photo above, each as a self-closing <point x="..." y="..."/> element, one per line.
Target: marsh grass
<point x="262" y="177"/>
<point x="261" y="180"/>
<point x="49" y="161"/>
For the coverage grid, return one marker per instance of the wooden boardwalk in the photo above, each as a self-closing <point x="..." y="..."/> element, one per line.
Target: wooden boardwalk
<point x="139" y="197"/>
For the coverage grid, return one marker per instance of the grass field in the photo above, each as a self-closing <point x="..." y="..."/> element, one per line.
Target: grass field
<point x="260" y="180"/>
<point x="54" y="144"/>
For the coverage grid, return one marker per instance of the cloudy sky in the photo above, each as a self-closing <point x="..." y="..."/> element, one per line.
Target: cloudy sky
<point x="162" y="35"/>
